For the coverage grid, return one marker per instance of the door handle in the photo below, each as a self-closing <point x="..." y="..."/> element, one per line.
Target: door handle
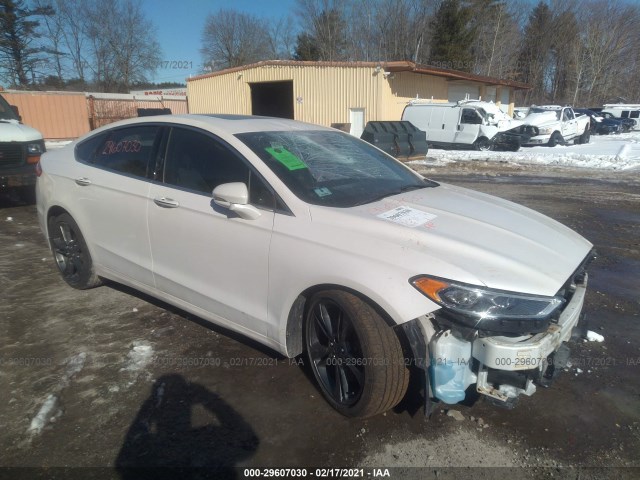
<point x="83" y="181"/>
<point x="166" y="202"/>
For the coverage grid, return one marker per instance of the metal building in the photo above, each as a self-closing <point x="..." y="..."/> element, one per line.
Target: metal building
<point x="329" y="93"/>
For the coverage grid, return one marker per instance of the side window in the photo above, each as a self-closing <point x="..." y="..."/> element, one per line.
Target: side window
<point x="470" y="116"/>
<point x="634" y="114"/>
<point x="86" y="150"/>
<point x="259" y="194"/>
<point x="200" y="163"/>
<point x="127" y="150"/>
<point x="624" y="114"/>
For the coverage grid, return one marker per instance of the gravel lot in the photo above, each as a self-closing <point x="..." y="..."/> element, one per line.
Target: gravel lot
<point x="111" y="378"/>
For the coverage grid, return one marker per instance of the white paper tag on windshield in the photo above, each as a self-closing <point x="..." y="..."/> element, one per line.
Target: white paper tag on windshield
<point x="407" y="216"/>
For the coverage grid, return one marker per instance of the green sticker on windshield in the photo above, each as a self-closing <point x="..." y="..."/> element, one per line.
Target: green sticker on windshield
<point x="286" y="158"/>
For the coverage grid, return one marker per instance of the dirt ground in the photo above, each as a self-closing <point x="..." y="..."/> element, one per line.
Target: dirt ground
<point x="109" y="378"/>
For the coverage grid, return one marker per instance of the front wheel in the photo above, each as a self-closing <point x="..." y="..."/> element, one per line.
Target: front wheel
<point x="356" y="358"/>
<point x="482" y="144"/>
<point x="71" y="253"/>
<point x="555" y="139"/>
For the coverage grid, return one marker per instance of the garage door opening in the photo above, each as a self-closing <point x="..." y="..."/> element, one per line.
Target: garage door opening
<point x="272" y="99"/>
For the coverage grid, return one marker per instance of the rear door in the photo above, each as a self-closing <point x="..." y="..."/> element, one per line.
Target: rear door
<point x="111" y="203"/>
<point x="203" y="254"/>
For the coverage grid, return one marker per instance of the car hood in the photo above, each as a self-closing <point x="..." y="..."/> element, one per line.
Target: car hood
<point x="541" y="118"/>
<point x="461" y="235"/>
<point x="12" y="131"/>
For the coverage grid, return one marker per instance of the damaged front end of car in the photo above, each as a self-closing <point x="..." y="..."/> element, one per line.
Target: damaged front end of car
<point x="505" y="343"/>
<point x="512" y="139"/>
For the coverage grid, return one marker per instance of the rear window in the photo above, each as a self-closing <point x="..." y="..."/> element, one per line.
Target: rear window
<point x="127" y="150"/>
<point x="86" y="150"/>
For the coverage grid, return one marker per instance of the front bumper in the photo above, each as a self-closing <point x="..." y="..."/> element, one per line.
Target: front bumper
<point x="506" y="353"/>
<point x="501" y="367"/>
<point x="19" y="176"/>
<point x="538" y="140"/>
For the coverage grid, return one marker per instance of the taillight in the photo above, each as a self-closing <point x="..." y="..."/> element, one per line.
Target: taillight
<point x="38" y="169"/>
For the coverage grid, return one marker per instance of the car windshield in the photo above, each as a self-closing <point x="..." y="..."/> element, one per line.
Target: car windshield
<point x="535" y="111"/>
<point x="6" y="112"/>
<point x="332" y="168"/>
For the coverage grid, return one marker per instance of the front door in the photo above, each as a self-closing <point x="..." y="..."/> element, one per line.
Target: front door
<point x="202" y="253"/>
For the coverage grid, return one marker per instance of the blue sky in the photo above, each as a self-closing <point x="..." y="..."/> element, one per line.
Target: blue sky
<point x="179" y="26"/>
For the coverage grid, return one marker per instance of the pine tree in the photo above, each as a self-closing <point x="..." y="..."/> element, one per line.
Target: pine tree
<point x="453" y="36"/>
<point x="535" y="55"/>
<point x="19" y="56"/>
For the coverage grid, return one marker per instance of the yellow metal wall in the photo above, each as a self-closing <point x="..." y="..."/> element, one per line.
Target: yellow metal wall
<point x="399" y="88"/>
<point x="322" y="94"/>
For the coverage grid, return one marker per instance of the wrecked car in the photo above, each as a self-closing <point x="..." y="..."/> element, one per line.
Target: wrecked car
<point x="315" y="243"/>
<point x="557" y="125"/>
<point x="467" y="124"/>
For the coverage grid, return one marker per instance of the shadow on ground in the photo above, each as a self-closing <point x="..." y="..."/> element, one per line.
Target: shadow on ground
<point x="185" y="431"/>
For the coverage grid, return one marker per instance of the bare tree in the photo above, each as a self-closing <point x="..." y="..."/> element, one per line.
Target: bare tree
<point x="498" y="38"/>
<point x="71" y="15"/>
<point x="232" y="39"/>
<point x="324" y="22"/>
<point x="281" y="38"/>
<point x="403" y="29"/>
<point x="121" y="44"/>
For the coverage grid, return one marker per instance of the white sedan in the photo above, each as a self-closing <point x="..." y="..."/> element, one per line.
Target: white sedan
<point x="311" y="241"/>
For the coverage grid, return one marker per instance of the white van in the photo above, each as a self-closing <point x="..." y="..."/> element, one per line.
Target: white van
<point x="621" y="110"/>
<point x="465" y="124"/>
<point x="20" y="150"/>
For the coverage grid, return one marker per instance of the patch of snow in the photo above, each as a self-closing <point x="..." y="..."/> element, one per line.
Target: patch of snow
<point x="44" y="415"/>
<point x="138" y="357"/>
<point x="9" y="219"/>
<point x="604" y="152"/>
<point x="594" y="337"/>
<point x="74" y="365"/>
<point x="55" y="144"/>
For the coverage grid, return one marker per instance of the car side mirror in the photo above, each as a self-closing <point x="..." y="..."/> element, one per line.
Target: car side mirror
<point x="235" y="197"/>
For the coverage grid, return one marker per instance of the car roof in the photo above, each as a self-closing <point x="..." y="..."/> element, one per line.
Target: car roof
<point x="230" y="124"/>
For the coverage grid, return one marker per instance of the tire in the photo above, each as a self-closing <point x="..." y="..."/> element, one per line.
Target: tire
<point x="71" y="253"/>
<point x="555" y="139"/>
<point x="355" y="357"/>
<point x="585" y="137"/>
<point x="482" y="144"/>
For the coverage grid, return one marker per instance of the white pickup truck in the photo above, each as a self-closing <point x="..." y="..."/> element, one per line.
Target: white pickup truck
<point x="557" y="125"/>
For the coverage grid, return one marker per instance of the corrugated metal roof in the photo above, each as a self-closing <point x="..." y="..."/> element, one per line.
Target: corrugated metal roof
<point x="396" y="66"/>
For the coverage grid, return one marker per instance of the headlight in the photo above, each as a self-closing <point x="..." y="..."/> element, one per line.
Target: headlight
<point x="545" y="130"/>
<point x="483" y="303"/>
<point x="34" y="151"/>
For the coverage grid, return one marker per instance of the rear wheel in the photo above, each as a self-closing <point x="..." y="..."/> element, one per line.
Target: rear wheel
<point x="355" y="356"/>
<point x="71" y="253"/>
<point x="586" y="136"/>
